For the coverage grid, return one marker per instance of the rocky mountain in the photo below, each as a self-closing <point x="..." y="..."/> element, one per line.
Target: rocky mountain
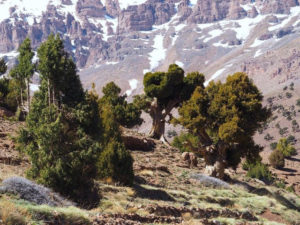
<point x="120" y="40"/>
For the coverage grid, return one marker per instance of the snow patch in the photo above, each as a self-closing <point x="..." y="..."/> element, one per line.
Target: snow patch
<point x="246" y="25"/>
<point x="217" y="74"/>
<point x="258" y="53"/>
<point x="181" y="64"/>
<point x="159" y="52"/>
<point x="220" y="44"/>
<point x="133" y="83"/>
<point x="193" y="3"/>
<point x="213" y="34"/>
<point x="295" y="11"/>
<point x="256" y="43"/>
<point x="34" y="87"/>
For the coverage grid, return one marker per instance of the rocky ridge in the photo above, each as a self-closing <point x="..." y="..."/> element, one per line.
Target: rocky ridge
<point x="129" y="38"/>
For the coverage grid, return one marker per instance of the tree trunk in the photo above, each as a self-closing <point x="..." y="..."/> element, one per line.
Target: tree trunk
<point x="49" y="93"/>
<point x="28" y="95"/>
<point x="22" y="102"/>
<point x="215" y="160"/>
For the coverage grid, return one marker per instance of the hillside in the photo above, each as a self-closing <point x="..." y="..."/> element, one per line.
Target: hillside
<point x="165" y="191"/>
<point x="121" y="40"/>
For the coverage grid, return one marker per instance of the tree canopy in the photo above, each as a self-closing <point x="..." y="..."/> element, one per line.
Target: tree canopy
<point x="225" y="116"/>
<point x="165" y="91"/>
<point x="126" y="114"/>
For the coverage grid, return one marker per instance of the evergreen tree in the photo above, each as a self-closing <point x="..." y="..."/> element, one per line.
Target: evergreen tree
<point x="59" y="73"/>
<point x="3" y="66"/>
<point x="225" y="117"/>
<point x="66" y="131"/>
<point x="115" y="161"/>
<point x="24" y="70"/>
<point x="25" y="66"/>
<point x="165" y="91"/>
<point x="126" y="114"/>
<point x="63" y="141"/>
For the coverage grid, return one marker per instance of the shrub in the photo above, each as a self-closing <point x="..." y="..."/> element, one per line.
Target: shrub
<point x="291" y="139"/>
<point x="186" y="142"/>
<point x="298" y="102"/>
<point x="276" y="159"/>
<point x="285" y="88"/>
<point x="268" y="137"/>
<point x="260" y="171"/>
<point x="172" y="133"/>
<point x="273" y="145"/>
<point x="115" y="162"/>
<point x="288" y="95"/>
<point x="280" y="184"/>
<point x="285" y="148"/>
<point x="283" y="131"/>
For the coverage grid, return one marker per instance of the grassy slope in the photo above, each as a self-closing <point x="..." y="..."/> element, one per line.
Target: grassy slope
<point x="163" y="191"/>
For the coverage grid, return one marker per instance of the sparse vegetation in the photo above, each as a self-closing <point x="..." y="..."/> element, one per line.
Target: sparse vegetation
<point x="186" y="142"/>
<point x="260" y="171"/>
<point x="276" y="159"/>
<point x="285" y="148"/>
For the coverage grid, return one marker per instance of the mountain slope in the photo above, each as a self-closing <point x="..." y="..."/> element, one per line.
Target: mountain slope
<point x="121" y="41"/>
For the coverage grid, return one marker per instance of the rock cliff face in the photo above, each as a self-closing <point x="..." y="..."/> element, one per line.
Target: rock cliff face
<point x="133" y="36"/>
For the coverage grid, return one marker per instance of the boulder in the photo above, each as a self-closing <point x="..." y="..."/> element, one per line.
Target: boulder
<point x="32" y="192"/>
<point x="210" y="181"/>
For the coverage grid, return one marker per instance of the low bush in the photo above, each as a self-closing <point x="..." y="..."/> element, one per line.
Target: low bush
<point x="276" y="159"/>
<point x="116" y="163"/>
<point x="260" y="171"/>
<point x="186" y="142"/>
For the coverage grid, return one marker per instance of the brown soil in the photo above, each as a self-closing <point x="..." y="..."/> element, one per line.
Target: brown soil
<point x="273" y="217"/>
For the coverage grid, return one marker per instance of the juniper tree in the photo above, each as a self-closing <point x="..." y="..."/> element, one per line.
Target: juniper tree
<point x="126" y="114"/>
<point x="165" y="91"/>
<point x="225" y="116"/>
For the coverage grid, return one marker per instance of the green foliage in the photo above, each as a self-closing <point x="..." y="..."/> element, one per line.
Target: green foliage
<point x="291" y="139"/>
<point x="59" y="74"/>
<point x="23" y="71"/>
<point x="3" y="66"/>
<point x="268" y="137"/>
<point x="298" y="102"/>
<point x="186" y="142"/>
<point x="260" y="171"/>
<point x="280" y="184"/>
<point x="273" y="145"/>
<point x="25" y="66"/>
<point x="126" y="114"/>
<point x="8" y="94"/>
<point x="276" y="159"/>
<point x="227" y="114"/>
<point x="115" y="162"/>
<point x="166" y="86"/>
<point x="62" y="146"/>
<point x="63" y="143"/>
<point x="165" y="91"/>
<point x="285" y="148"/>
<point x="172" y="133"/>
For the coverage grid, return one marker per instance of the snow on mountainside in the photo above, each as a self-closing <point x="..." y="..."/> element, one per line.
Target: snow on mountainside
<point x="121" y="40"/>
